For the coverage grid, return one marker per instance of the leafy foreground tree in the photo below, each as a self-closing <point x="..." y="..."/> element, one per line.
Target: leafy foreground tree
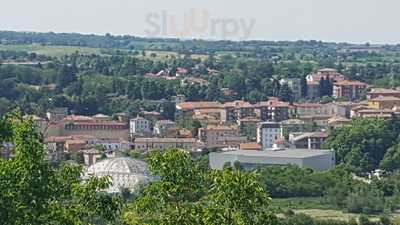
<point x="363" y="144"/>
<point x="32" y="192"/>
<point x="187" y="195"/>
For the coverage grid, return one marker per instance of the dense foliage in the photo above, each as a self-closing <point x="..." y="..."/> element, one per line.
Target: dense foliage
<point x="187" y="195"/>
<point x="363" y="144"/>
<point x="292" y="181"/>
<point x="33" y="192"/>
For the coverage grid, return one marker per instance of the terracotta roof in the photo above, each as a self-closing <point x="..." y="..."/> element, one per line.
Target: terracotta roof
<point x="197" y="105"/>
<point x="100" y="123"/>
<point x="349" y="83"/>
<point x="250" y="146"/>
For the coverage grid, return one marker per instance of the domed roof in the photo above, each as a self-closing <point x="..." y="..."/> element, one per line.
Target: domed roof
<point x="124" y="172"/>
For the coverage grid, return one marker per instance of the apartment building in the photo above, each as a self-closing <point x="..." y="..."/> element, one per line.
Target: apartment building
<point x="139" y="126"/>
<point x="384" y="102"/>
<point x="314" y="79"/>
<point x="220" y="136"/>
<point x="273" y="109"/>
<point x="349" y="90"/>
<point x="83" y="125"/>
<point x="326" y="73"/>
<point x="268" y="133"/>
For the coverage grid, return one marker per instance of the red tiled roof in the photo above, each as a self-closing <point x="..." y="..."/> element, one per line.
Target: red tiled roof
<point x="197" y="105"/>
<point x="250" y="146"/>
<point x="350" y="83"/>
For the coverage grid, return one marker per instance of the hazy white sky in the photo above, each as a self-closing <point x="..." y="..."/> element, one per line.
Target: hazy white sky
<point x="360" y="21"/>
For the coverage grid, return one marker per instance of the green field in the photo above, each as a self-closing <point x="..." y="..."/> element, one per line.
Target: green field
<point x="315" y="207"/>
<point x="58" y="51"/>
<point x="50" y="50"/>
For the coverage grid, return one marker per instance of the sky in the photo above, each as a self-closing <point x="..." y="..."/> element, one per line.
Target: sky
<point x="356" y="21"/>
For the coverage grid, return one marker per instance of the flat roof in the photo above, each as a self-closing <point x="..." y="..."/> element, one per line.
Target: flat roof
<point x="287" y="153"/>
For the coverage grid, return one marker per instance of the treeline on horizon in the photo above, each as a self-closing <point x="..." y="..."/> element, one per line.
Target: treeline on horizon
<point x="140" y="43"/>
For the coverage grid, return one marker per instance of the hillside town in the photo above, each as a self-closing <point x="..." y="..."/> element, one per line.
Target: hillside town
<point x="270" y="132"/>
<point x="129" y="130"/>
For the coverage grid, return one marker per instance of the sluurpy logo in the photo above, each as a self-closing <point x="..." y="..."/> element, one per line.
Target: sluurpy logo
<point x="197" y="23"/>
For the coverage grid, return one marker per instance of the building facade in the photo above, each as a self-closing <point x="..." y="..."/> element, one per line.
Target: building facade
<point x="318" y="160"/>
<point x="139" y="126"/>
<point x="268" y="133"/>
<point x="312" y="140"/>
<point x="220" y="136"/>
<point x="162" y="126"/>
<point x="349" y="90"/>
<point x="145" y="144"/>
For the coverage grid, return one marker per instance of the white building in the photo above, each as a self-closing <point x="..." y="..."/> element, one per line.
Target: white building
<point x="114" y="144"/>
<point x="139" y="126"/>
<point x="124" y="173"/>
<point x="318" y="160"/>
<point x="268" y="133"/>
<point x="162" y="126"/>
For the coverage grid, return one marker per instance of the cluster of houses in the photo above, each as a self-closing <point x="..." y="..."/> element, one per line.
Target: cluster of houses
<point x="254" y="134"/>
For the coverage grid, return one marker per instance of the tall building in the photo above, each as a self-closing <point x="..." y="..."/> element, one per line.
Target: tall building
<point x="268" y="133"/>
<point x="349" y="90"/>
<point x="314" y="79"/>
<point x="221" y="136"/>
<point x="139" y="126"/>
<point x="273" y="109"/>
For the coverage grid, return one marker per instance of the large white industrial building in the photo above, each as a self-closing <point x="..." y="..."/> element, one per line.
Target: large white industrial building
<point x="318" y="160"/>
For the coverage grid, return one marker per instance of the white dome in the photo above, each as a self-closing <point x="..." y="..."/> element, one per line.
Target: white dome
<point x="124" y="172"/>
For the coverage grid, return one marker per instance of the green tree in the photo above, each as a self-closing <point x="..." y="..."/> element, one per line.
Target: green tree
<point x="237" y="198"/>
<point x="171" y="200"/>
<point x="391" y="159"/>
<point x="186" y="194"/>
<point x="363" y="144"/>
<point x="32" y="192"/>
